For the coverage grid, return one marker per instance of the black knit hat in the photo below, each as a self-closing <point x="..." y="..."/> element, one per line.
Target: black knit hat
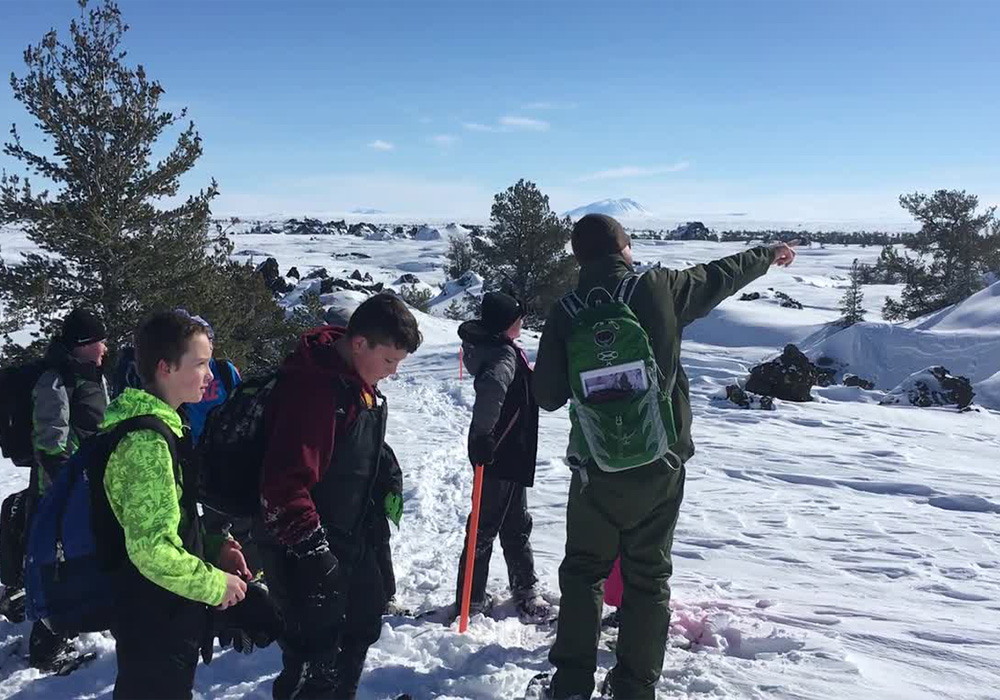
<point x="83" y="327"/>
<point x="500" y="311"/>
<point x="598" y="234"/>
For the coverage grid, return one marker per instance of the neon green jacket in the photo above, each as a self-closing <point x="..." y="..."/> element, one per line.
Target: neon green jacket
<point x="145" y="497"/>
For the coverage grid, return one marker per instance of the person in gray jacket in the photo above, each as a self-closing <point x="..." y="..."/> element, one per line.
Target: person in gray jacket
<point x="68" y="404"/>
<point x="504" y="439"/>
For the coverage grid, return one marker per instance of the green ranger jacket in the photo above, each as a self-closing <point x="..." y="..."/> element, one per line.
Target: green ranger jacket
<point x="665" y="301"/>
<point x="145" y="498"/>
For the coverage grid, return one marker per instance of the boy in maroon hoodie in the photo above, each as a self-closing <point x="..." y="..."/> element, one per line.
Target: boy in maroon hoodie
<point x="326" y="481"/>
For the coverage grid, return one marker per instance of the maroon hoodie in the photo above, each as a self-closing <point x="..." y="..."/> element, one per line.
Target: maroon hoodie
<point x="301" y="423"/>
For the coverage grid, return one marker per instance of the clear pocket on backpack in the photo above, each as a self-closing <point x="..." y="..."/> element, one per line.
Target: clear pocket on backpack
<point x="622" y="417"/>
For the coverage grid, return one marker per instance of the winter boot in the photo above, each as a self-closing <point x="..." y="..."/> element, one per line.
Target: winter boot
<point x="394" y="609"/>
<point x="532" y="608"/>
<point x="540" y="688"/>
<point x="480" y="607"/>
<point x="305" y="681"/>
<point x="46" y="649"/>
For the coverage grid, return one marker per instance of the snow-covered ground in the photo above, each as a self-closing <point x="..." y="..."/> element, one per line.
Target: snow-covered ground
<point x="836" y="549"/>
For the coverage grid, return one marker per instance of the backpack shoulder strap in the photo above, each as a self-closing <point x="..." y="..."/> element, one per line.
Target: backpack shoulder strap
<point x="147" y="422"/>
<point x="192" y="538"/>
<point x="225" y="368"/>
<point x="625" y="289"/>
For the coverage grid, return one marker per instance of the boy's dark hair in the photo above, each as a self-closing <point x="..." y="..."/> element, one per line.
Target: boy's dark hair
<point x="163" y="336"/>
<point x="384" y="320"/>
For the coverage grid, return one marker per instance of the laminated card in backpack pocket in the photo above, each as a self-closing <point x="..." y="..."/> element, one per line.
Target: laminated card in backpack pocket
<point x="621" y="401"/>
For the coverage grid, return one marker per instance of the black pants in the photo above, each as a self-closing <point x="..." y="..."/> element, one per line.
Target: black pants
<point x="324" y="656"/>
<point x="158" y="638"/>
<point x="380" y="536"/>
<point x="503" y="510"/>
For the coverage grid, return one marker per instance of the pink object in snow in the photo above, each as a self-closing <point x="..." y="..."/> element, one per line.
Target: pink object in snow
<point x="614" y="587"/>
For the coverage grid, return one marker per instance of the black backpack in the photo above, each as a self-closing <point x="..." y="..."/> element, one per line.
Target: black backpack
<point x="16" y="407"/>
<point x="230" y="451"/>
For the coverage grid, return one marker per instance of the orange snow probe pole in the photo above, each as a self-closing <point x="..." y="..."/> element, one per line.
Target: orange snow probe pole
<point x="470" y="553"/>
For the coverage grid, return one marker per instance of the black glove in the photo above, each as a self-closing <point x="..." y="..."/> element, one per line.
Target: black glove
<point x="316" y="574"/>
<point x="481" y="449"/>
<point x="254" y="621"/>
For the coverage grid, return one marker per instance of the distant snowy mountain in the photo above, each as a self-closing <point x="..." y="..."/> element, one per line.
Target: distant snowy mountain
<point x="367" y="212"/>
<point x="625" y="208"/>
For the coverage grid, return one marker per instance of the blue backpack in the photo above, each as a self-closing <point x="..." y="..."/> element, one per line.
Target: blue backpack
<point x="75" y="541"/>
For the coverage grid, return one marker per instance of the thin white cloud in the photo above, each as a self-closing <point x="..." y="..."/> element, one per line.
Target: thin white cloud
<point x="444" y="140"/>
<point x="628" y="171"/>
<point x="507" y="124"/>
<point x="476" y="126"/>
<point x="380" y="145"/>
<point x="524" y="124"/>
<point x="550" y="105"/>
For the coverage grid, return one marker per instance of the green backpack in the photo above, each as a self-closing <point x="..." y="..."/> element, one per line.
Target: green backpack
<point x="621" y="402"/>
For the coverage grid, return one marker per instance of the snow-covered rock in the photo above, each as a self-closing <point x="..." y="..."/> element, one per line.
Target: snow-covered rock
<point x="428" y="233"/>
<point x="377" y="234"/>
<point x="933" y="386"/>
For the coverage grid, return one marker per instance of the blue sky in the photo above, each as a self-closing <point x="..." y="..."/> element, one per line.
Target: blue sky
<point x="780" y="109"/>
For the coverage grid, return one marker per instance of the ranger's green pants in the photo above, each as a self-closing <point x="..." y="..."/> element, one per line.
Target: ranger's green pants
<point x="632" y="513"/>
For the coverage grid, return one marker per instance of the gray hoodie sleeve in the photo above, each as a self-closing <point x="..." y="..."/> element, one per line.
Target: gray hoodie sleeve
<point x="51" y="432"/>
<point x="491" y="390"/>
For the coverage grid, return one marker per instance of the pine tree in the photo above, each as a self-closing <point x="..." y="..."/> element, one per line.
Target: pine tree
<point x="105" y="236"/>
<point x="524" y="250"/>
<point x="419" y="299"/>
<point x="851" y="303"/>
<point x="455" y="311"/>
<point x="460" y="257"/>
<point x="955" y="247"/>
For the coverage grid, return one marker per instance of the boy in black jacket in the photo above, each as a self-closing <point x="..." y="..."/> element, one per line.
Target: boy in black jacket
<point x="504" y="438"/>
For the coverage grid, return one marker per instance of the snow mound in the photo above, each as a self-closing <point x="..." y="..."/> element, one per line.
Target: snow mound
<point x="469" y="284"/>
<point x="428" y="233"/>
<point x="964" y="337"/>
<point x="980" y="313"/>
<point x="301" y="289"/>
<point x="988" y="392"/>
<point x="376" y="234"/>
<point x="455" y="230"/>
<point x="340" y="305"/>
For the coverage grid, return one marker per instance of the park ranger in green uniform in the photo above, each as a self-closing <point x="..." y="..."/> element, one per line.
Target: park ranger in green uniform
<point x="630" y="512"/>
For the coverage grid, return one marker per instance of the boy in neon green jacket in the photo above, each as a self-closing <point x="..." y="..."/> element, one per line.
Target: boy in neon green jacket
<point x="164" y="583"/>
